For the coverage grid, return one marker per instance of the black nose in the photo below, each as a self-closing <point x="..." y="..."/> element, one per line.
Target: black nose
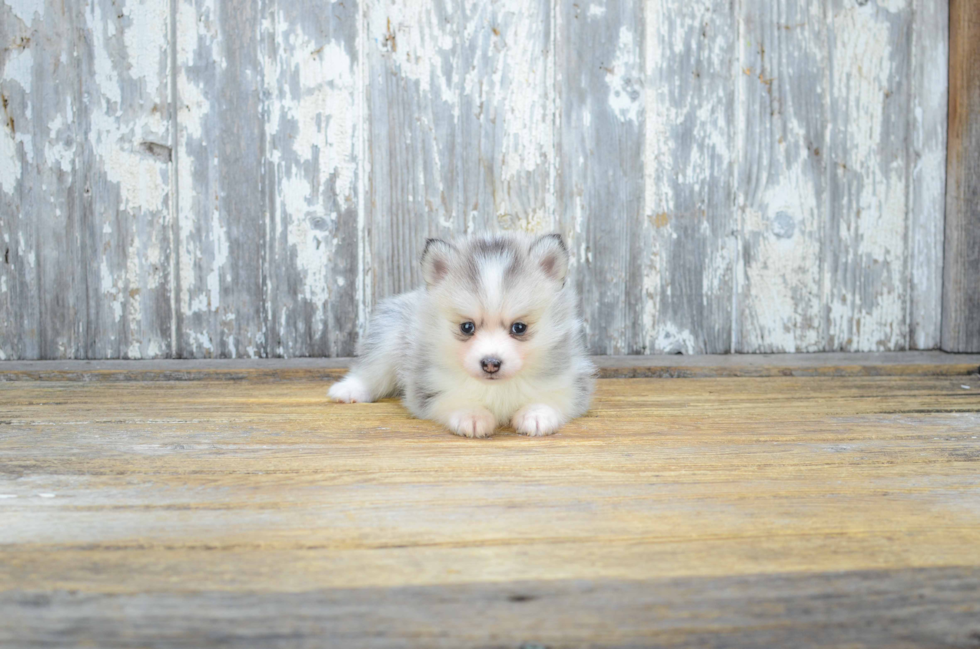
<point x="490" y="364"/>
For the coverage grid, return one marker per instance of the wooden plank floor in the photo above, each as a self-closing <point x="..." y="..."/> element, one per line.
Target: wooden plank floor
<point x="736" y="512"/>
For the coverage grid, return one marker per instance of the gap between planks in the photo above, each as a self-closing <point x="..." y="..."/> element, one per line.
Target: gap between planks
<point x="931" y="363"/>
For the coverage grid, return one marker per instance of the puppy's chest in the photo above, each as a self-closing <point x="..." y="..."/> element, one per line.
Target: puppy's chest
<point x="502" y="398"/>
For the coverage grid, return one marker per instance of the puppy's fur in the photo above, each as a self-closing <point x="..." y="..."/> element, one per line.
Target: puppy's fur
<point x="452" y="348"/>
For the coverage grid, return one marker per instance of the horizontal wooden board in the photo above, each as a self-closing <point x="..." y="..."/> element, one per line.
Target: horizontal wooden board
<point x="909" y="608"/>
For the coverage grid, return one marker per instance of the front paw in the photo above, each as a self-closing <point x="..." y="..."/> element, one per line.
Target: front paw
<point x="350" y="390"/>
<point x="537" y="419"/>
<point x="472" y="423"/>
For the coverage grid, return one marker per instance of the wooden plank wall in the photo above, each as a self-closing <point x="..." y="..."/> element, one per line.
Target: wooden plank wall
<point x="247" y="178"/>
<point x="961" y="282"/>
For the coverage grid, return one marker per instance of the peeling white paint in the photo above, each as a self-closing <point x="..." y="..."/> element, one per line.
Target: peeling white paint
<point x="57" y="150"/>
<point x="203" y="246"/>
<point x="219" y="250"/>
<point x="17" y="69"/>
<point x="894" y="6"/>
<point x="415" y="36"/>
<point x="780" y="192"/>
<point x="146" y="39"/>
<point x="670" y="339"/>
<point x="10" y="166"/>
<point x="25" y="10"/>
<point x="508" y="84"/>
<point x="115" y="135"/>
<point x="624" y="78"/>
<point x="110" y="290"/>
<point x="873" y="223"/>
<point x="686" y="101"/>
<point x="316" y="165"/>
<point x="193" y="27"/>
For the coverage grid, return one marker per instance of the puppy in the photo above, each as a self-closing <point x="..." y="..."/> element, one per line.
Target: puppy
<point x="492" y="338"/>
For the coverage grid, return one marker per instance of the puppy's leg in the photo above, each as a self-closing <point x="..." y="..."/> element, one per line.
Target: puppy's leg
<point x="537" y="419"/>
<point x="550" y="410"/>
<point x="375" y="372"/>
<point x="473" y="422"/>
<point x="351" y="390"/>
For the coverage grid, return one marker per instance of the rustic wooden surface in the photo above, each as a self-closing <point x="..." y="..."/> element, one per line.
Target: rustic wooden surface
<point x="750" y="512"/>
<point x="961" y="290"/>
<point x="208" y="178"/>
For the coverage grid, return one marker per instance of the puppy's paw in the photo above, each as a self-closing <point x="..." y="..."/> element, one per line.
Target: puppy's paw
<point x="350" y="390"/>
<point x="537" y="419"/>
<point x="472" y="423"/>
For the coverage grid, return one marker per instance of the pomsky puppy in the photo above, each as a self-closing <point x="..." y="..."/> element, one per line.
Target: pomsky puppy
<point x="491" y="338"/>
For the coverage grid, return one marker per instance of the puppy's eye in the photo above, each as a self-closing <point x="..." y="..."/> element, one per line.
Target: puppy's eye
<point x="518" y="328"/>
<point x="467" y="328"/>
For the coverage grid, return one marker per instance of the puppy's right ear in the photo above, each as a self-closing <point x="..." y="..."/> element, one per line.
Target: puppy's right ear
<point x="435" y="260"/>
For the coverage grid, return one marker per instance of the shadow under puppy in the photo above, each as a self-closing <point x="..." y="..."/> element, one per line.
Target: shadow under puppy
<point x="492" y="338"/>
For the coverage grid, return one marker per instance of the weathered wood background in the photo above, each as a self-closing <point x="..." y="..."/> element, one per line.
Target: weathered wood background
<point x="198" y="178"/>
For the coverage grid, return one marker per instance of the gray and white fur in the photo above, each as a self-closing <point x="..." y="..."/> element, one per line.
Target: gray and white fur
<point x="492" y="337"/>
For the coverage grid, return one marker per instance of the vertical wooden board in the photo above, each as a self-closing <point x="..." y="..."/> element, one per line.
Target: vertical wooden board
<point x="222" y="207"/>
<point x="781" y="189"/>
<point x="961" y="272"/>
<point x="927" y="185"/>
<point x="125" y="118"/>
<point x="687" y="232"/>
<point x="865" y="246"/>
<point x="40" y="186"/>
<point x="600" y="166"/>
<point x="313" y="131"/>
<point x="412" y="58"/>
<point x="506" y="115"/>
<point x="19" y="282"/>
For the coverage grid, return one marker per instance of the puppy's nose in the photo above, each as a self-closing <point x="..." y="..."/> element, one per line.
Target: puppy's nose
<point x="490" y="364"/>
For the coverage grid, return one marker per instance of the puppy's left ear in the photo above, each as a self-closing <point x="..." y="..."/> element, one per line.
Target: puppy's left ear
<point x="551" y="254"/>
<point x="435" y="260"/>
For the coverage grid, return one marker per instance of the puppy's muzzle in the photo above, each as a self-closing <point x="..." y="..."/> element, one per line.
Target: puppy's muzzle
<point x="490" y="364"/>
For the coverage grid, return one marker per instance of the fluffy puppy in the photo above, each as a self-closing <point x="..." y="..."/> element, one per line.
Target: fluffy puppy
<point x="492" y="338"/>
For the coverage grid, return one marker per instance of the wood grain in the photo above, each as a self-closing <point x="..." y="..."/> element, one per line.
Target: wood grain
<point x="927" y="165"/>
<point x="125" y="163"/>
<point x="412" y="142"/>
<point x="223" y="193"/>
<point x="20" y="207"/>
<point x="600" y="166"/>
<point x="42" y="184"/>
<point x="911" y="608"/>
<point x="689" y="259"/>
<point x="313" y="129"/>
<point x="866" y="233"/>
<point x="506" y="122"/>
<point x="781" y="188"/>
<point x="676" y="511"/>
<point x="961" y="288"/>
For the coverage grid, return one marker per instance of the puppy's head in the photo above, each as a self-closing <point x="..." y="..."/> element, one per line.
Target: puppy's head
<point x="494" y="300"/>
